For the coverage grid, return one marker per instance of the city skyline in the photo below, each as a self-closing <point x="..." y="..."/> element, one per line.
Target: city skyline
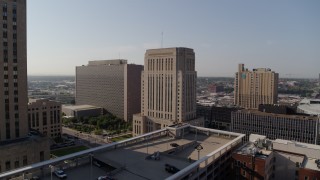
<point x="276" y="35"/>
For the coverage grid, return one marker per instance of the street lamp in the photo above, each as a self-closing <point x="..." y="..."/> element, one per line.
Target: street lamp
<point x="198" y="148"/>
<point x="51" y="170"/>
<point x="147" y="144"/>
<point x="91" y="155"/>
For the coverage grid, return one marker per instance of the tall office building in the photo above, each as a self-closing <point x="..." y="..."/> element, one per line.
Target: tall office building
<point x="13" y="89"/>
<point x="251" y="88"/>
<point x="111" y="84"/>
<point x="168" y="92"/>
<point x="16" y="147"/>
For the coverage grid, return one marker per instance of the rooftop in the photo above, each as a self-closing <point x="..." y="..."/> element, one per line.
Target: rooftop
<point x="310" y="106"/>
<point x="295" y="116"/>
<point x="80" y="107"/>
<point x="135" y="158"/>
<point x="107" y="62"/>
<point x="258" y="146"/>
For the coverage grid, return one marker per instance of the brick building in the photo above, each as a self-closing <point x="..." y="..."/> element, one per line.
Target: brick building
<point x="262" y="158"/>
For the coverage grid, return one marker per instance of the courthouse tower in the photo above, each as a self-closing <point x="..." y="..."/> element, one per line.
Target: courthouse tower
<point x="168" y="92"/>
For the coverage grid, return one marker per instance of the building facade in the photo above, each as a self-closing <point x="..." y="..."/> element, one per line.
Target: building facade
<point x="168" y="92"/>
<point x="111" y="84"/>
<point x="216" y="117"/>
<point x="13" y="89"/>
<point x="15" y="144"/>
<point x="45" y="116"/>
<point x="251" y="88"/>
<point x="302" y="128"/>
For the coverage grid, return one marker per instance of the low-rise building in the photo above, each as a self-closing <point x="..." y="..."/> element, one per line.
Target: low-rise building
<point x="45" y="116"/>
<point x="216" y="117"/>
<point x="302" y="128"/>
<point x="80" y="111"/>
<point x="262" y="158"/>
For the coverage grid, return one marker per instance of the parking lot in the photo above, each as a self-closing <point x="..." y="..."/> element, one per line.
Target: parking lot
<point x="82" y="172"/>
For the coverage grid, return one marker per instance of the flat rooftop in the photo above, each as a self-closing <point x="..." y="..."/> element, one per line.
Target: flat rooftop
<point x="134" y="158"/>
<point x="136" y="165"/>
<point x="80" y="107"/>
<point x="293" y="116"/>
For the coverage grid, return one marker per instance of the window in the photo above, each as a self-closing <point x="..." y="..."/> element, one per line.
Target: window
<point x="8" y="165"/>
<point x="5" y="35"/>
<point x="16" y="164"/>
<point x="25" y="161"/>
<point x="41" y="156"/>
<point x="244" y="173"/>
<point x="17" y="129"/>
<point x="7" y="130"/>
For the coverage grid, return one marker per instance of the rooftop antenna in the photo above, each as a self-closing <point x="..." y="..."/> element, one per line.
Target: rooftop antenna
<point x="162" y="39"/>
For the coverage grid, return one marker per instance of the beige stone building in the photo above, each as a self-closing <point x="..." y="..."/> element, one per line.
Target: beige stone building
<point x="24" y="151"/>
<point x="45" y="116"/>
<point x="168" y="92"/>
<point x="111" y="84"/>
<point x="251" y="88"/>
<point x="16" y="147"/>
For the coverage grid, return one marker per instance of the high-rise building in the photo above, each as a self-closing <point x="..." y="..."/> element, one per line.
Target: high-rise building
<point x="13" y="89"/>
<point x="45" y="116"/>
<point x="251" y="88"/>
<point x="168" y="92"/>
<point x="111" y="84"/>
<point x="16" y="147"/>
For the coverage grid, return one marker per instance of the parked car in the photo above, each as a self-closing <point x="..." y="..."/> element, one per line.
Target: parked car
<point x="171" y="169"/>
<point x="60" y="174"/>
<point x="105" y="178"/>
<point x="174" y="144"/>
<point x="97" y="164"/>
<point x="35" y="178"/>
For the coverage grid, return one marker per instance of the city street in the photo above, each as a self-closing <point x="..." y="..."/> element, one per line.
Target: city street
<point x="84" y="138"/>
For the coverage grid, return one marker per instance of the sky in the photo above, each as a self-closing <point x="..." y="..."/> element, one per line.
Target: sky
<point x="281" y="35"/>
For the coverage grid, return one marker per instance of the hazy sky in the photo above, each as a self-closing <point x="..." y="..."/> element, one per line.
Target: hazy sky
<point x="281" y="35"/>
